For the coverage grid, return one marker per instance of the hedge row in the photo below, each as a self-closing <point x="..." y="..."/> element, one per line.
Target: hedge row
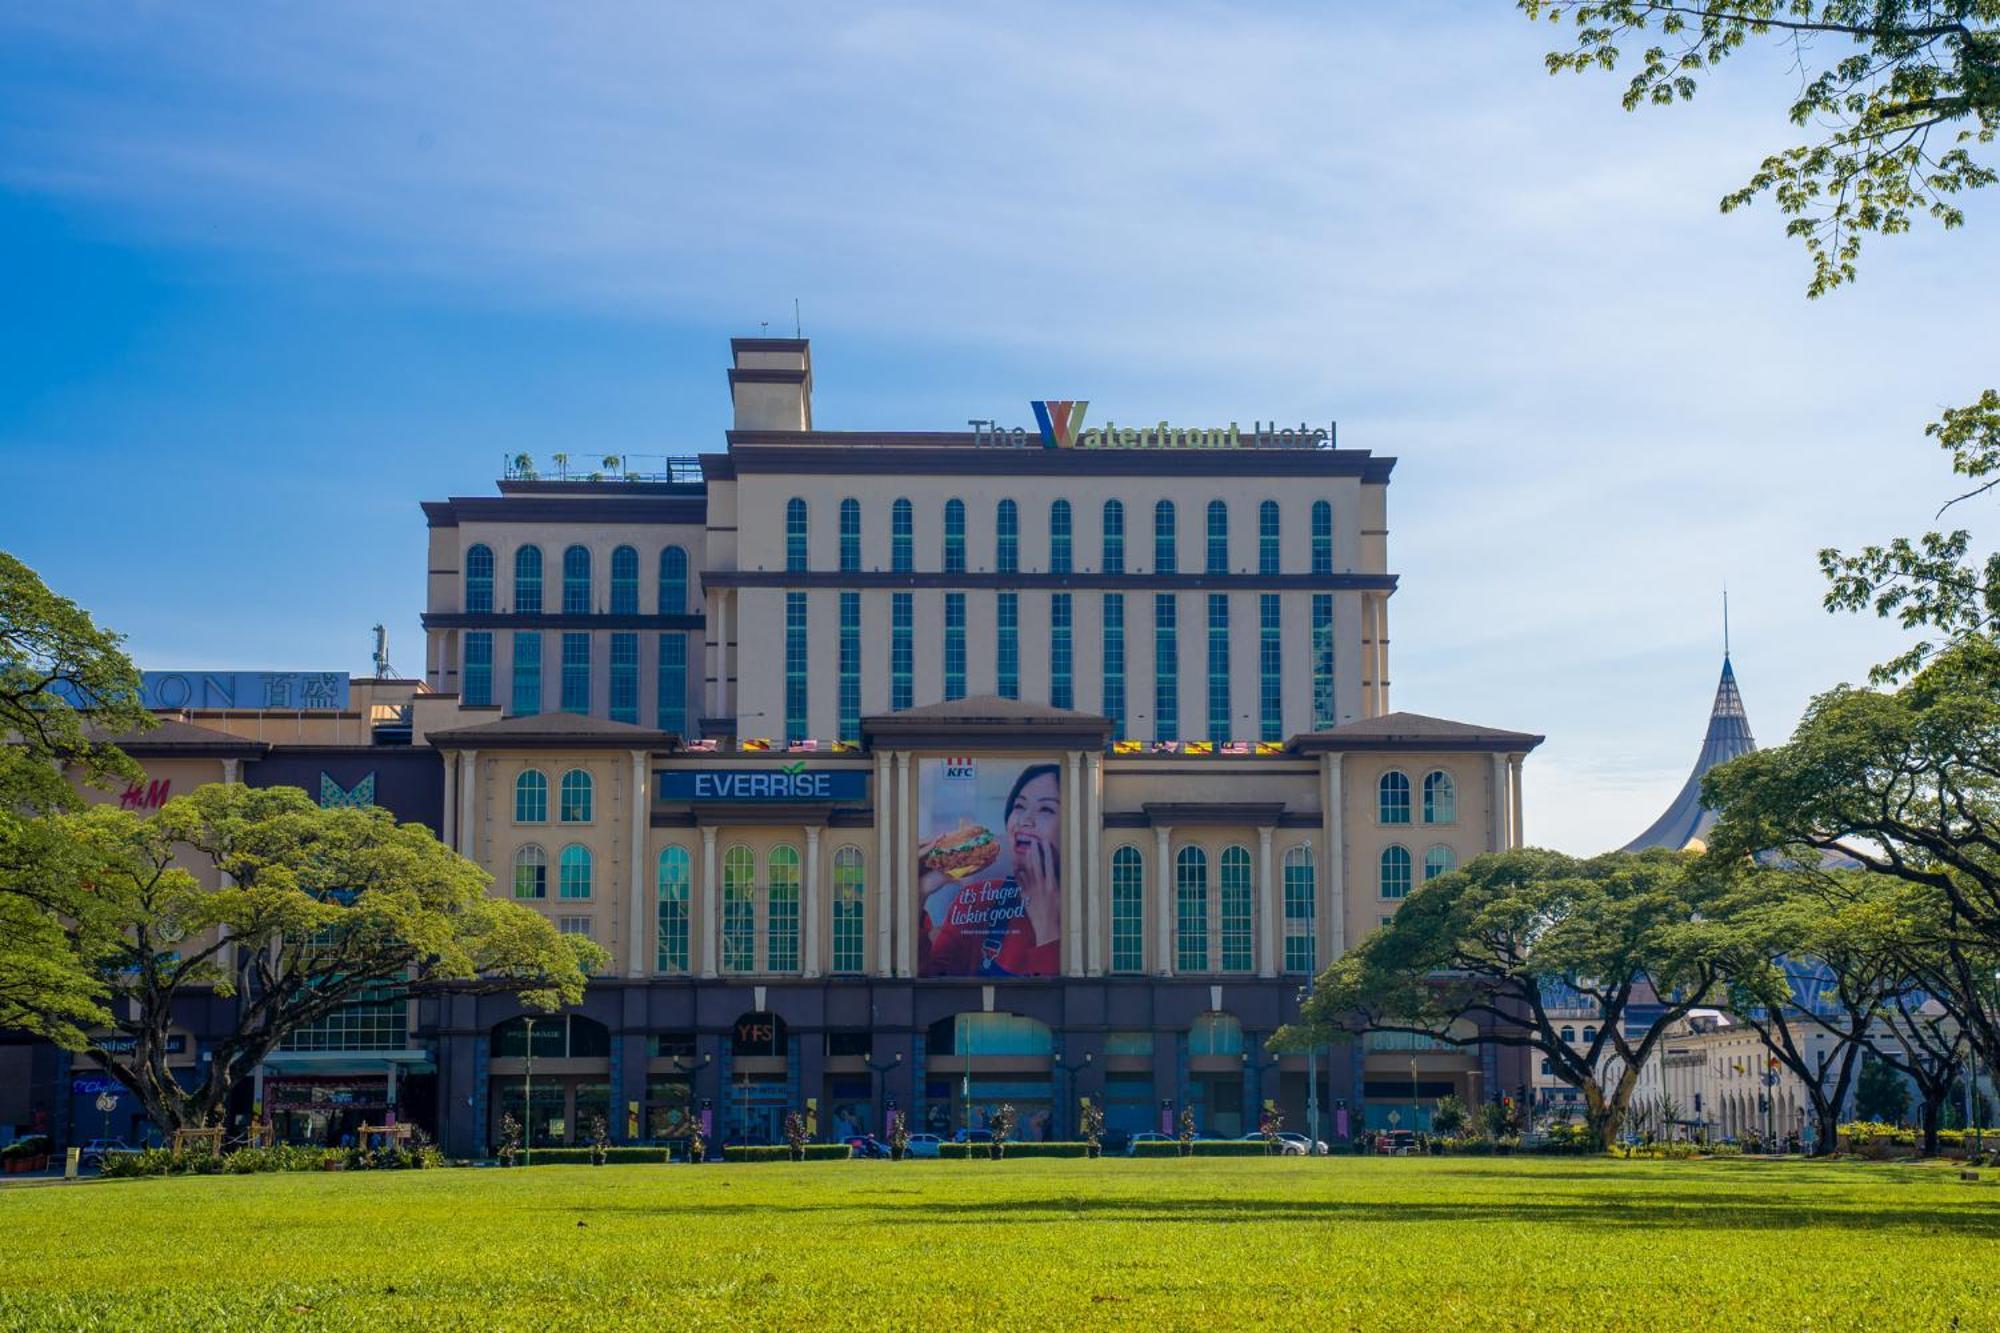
<point x="1035" y="1148"/>
<point x="815" y="1152"/>
<point x="581" y="1156"/>
<point x="255" y="1161"/>
<point x="1203" y="1148"/>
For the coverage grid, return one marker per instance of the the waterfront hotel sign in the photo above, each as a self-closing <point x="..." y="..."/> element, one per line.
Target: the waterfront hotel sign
<point x="1059" y="422"/>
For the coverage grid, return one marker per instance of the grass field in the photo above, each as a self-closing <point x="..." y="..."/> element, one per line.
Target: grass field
<point x="1339" y="1243"/>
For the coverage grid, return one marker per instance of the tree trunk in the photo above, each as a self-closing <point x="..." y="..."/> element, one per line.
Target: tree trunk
<point x="1828" y="1140"/>
<point x="1933" y="1112"/>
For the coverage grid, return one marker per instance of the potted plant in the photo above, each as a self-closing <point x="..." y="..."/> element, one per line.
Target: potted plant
<point x="510" y="1138"/>
<point x="600" y="1140"/>
<point x="899" y="1137"/>
<point x="795" y="1135"/>
<point x="1268" y="1125"/>
<point x="1002" y="1125"/>
<point x="697" y="1147"/>
<point x="1187" y="1131"/>
<point x="1093" y="1129"/>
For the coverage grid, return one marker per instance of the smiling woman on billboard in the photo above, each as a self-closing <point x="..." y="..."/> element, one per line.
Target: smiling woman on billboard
<point x="991" y="903"/>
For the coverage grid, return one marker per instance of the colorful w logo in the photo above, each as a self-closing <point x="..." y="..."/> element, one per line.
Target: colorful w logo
<point x="1061" y="422"/>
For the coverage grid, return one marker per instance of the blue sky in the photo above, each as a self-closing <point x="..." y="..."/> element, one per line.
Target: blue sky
<point x="273" y="274"/>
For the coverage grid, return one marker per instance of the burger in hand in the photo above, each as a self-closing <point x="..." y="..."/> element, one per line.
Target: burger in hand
<point x="958" y="852"/>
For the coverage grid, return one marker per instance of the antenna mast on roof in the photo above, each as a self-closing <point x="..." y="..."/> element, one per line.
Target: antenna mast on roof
<point x="1725" y="622"/>
<point x="383" y="671"/>
<point x="798" y="327"/>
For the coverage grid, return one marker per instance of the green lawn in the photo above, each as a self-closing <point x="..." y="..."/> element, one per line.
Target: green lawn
<point x="1331" y="1244"/>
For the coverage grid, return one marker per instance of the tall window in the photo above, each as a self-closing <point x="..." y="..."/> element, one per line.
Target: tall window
<point x="576" y="581"/>
<point x="954" y="645"/>
<point x="1218" y="537"/>
<point x="1191" y="910"/>
<point x="574" y="873"/>
<point x="1236" y="915"/>
<point x="1322" y="537"/>
<point x="1440" y="798"/>
<point x="902" y="537"/>
<point x="1270" y="670"/>
<point x="1439" y="860"/>
<point x="1114" y="662"/>
<point x="479" y="579"/>
<point x="576" y="797"/>
<point x="954" y="536"/>
<point x="1301" y="938"/>
<point x="795" y="536"/>
<point x="1163" y="538"/>
<point x="624" y="581"/>
<point x="673" y="683"/>
<point x="1322" y="661"/>
<point x="849" y="721"/>
<point x="1395" y="872"/>
<point x="624" y="677"/>
<point x="1114" y="537"/>
<point x="1007" y="538"/>
<point x="850" y="536"/>
<point x="671" y="954"/>
<point x="1392" y="798"/>
<point x="673" y="581"/>
<point x="531" y="797"/>
<point x="478" y="668"/>
<point x="1059" y="533"/>
<point x="1007" y="608"/>
<point x="850" y="906"/>
<point x="1062" y="652"/>
<point x="1166" y="670"/>
<point x="781" y="911"/>
<point x="527" y="700"/>
<point x="1128" y="910"/>
<point x="739" y="910"/>
<point x="902" y="651"/>
<point x="575" y="673"/>
<point x="531" y="872"/>
<point x="528" y="581"/>
<point x="796" y="723"/>
<point x="1218" y="667"/>
<point x="1267" y="537"/>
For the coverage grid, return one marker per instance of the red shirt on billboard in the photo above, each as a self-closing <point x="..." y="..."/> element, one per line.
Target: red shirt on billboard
<point x="992" y="905"/>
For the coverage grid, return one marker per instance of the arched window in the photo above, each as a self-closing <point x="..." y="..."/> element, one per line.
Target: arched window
<point x="1395" y="872"/>
<point x="1589" y="1036"/>
<point x="954" y="536"/>
<point x="624" y="581"/>
<point x="1191" y="910"/>
<point x="850" y="910"/>
<point x="1545" y="1066"/>
<point x="1059" y="530"/>
<point x="576" y="581"/>
<point x="479" y="579"/>
<point x="531" y="872"/>
<point x="1237" y="952"/>
<point x="528" y="580"/>
<point x="1218" y="536"/>
<point x="573" y="874"/>
<point x="739" y="910"/>
<point x="1568" y="1033"/>
<point x="850" y="536"/>
<point x="674" y="877"/>
<point x="673" y="581"/>
<point x="1301" y="938"/>
<point x="1163" y="538"/>
<point x="902" y="537"/>
<point x="1216" y="1034"/>
<point x="1322" y="537"/>
<point x="576" y="797"/>
<point x="795" y="536"/>
<point x="1267" y="537"/>
<point x="1392" y="798"/>
<point x="1114" y="537"/>
<point x="1440" y="798"/>
<point x="1007" y="538"/>
<point x="1128" y="910"/>
<point x="781" y="911"/>
<point x="1439" y="860"/>
<point x="531" y="797"/>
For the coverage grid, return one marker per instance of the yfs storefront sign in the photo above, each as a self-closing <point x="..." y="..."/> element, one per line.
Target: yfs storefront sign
<point x="1059" y="425"/>
<point x="791" y="782"/>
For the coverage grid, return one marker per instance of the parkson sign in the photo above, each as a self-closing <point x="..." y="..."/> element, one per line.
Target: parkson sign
<point x="1059" y="425"/>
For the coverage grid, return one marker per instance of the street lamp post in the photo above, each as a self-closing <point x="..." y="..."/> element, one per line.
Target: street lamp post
<point x="528" y="1097"/>
<point x="1305" y="993"/>
<point x="881" y="1090"/>
<point x="683" y="1065"/>
<point x="1256" y="1069"/>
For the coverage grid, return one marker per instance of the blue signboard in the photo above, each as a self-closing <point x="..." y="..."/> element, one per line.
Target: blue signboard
<point x="760" y="784"/>
<point x="284" y="691"/>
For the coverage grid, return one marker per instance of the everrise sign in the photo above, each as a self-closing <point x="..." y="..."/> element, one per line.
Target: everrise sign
<point x="1059" y="423"/>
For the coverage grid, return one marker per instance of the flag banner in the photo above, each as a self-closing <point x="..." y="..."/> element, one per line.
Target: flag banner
<point x="846" y="747"/>
<point x="754" y="743"/>
<point x="1166" y="747"/>
<point x="1200" y="747"/>
<point x="802" y="747"/>
<point x="1236" y="747"/>
<point x="1128" y="747"/>
<point x="703" y="746"/>
<point x="1270" y="747"/>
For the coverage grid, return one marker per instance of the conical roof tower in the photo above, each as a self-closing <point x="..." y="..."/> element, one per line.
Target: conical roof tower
<point x="1686" y="820"/>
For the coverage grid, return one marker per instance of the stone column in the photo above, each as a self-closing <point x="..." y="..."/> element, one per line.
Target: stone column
<point x="1094" y="895"/>
<point x="1497" y="789"/>
<point x="449" y="833"/>
<point x="1330" y="867"/>
<point x="1163" y="897"/>
<point x="1514" y="786"/>
<point x="906" y="913"/>
<point x="636" y="916"/>
<point x="1072" y="879"/>
<point x="1267" y="907"/>
<point x="468" y="793"/>
<point x="711" y="900"/>
<point x="884" y="876"/>
<point x="810" y="905"/>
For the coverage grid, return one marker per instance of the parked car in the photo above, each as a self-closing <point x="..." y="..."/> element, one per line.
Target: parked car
<point x="1289" y="1145"/>
<point x="1145" y="1136"/>
<point x="1396" y="1142"/>
<point x="924" y="1145"/>
<point x="95" y="1151"/>
<point x="973" y="1136"/>
<point x="1310" y="1147"/>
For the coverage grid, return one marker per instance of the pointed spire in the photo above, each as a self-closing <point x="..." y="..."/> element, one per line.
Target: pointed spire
<point x="1686" y="820"/>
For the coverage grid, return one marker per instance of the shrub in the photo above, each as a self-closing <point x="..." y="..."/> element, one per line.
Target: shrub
<point x="578" y="1156"/>
<point x="1031" y="1148"/>
<point x="815" y="1152"/>
<point x="29" y="1145"/>
<point x="1449" y="1116"/>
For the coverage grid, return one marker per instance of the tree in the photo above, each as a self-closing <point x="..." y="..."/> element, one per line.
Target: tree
<point x="297" y="912"/>
<point x="52" y="657"/>
<point x="1477" y="955"/>
<point x="1928" y="1047"/>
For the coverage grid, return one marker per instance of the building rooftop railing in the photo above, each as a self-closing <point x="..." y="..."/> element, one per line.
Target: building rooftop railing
<point x="602" y="467"/>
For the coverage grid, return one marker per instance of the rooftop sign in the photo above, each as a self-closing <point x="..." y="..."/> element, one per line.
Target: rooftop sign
<point x="1059" y="423"/>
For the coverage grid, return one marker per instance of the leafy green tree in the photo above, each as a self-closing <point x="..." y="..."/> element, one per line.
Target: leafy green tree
<point x="52" y="656"/>
<point x="1478" y="954"/>
<point x="303" y="910"/>
<point x="1880" y="1094"/>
